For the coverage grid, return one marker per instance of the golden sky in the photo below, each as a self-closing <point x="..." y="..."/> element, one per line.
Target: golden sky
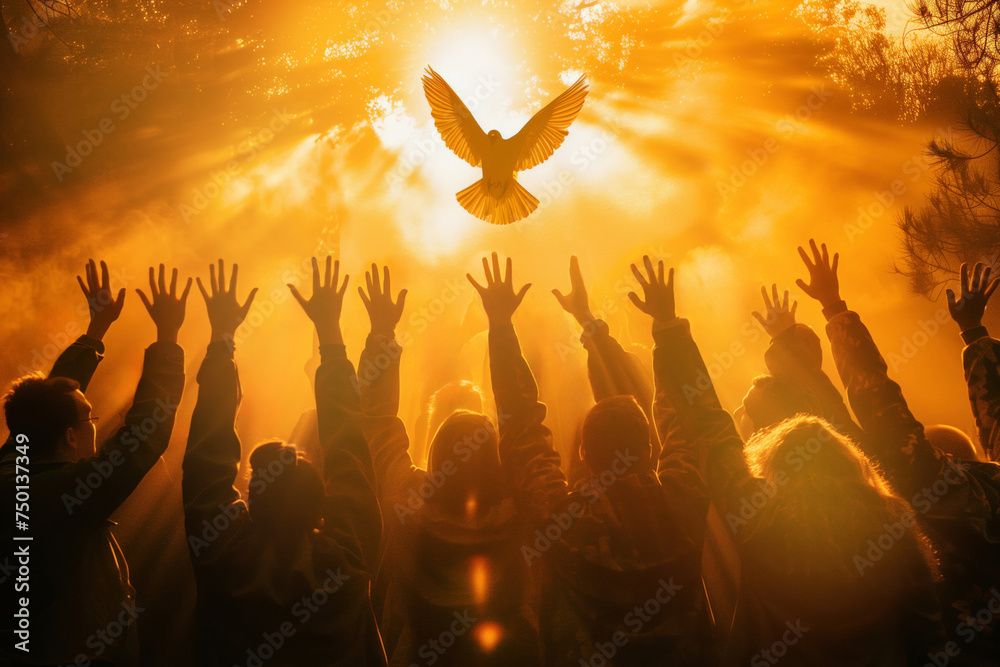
<point x="717" y="136"/>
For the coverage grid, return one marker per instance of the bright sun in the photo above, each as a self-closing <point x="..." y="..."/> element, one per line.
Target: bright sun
<point x="480" y="65"/>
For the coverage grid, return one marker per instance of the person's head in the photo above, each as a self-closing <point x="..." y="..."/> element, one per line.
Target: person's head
<point x="829" y="498"/>
<point x="286" y="490"/>
<point x="825" y="501"/>
<point x="464" y="464"/>
<point x="953" y="441"/>
<point x="807" y="447"/>
<point x="771" y="400"/>
<point x="614" y="431"/>
<point x="54" y="415"/>
<point x="452" y="397"/>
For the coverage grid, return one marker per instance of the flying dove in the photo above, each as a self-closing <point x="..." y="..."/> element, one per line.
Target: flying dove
<point x="498" y="198"/>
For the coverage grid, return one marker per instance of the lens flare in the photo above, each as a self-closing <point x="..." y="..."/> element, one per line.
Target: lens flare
<point x="488" y="634"/>
<point x="479" y="571"/>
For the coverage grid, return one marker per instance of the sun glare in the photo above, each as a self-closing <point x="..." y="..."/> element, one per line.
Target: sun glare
<point x="478" y="63"/>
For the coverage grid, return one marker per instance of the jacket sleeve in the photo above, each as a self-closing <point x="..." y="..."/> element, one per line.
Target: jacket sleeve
<point x="981" y="359"/>
<point x="388" y="444"/>
<point x="697" y="434"/>
<point x="615" y="372"/>
<point x="934" y="484"/>
<point x="352" y="515"/>
<point x="893" y="436"/>
<point x="79" y="361"/>
<point x="529" y="460"/>
<point x="796" y="355"/>
<point x="212" y="458"/>
<point x="93" y="487"/>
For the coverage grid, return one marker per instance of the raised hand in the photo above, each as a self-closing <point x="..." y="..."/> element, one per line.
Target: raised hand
<point x="327" y="300"/>
<point x="778" y="315"/>
<point x="499" y="299"/>
<point x="823" y="284"/>
<point x="104" y="308"/>
<point x="576" y="303"/>
<point x="225" y="313"/>
<point x="968" y="308"/>
<point x="382" y="312"/>
<point x="164" y="306"/>
<point x="659" y="294"/>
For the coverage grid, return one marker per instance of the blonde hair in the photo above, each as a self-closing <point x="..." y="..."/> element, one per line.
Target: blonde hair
<point x="829" y="497"/>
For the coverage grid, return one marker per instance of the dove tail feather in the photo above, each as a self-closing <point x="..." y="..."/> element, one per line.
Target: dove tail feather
<point x="515" y="204"/>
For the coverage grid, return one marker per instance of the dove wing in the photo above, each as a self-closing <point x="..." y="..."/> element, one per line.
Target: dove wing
<point x="545" y="132"/>
<point x="453" y="120"/>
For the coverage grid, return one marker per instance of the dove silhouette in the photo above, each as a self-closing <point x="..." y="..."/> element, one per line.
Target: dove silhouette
<point x="498" y="198"/>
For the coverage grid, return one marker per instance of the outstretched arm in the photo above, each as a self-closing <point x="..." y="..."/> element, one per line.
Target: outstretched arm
<point x="893" y="436"/>
<point x="126" y="458"/>
<point x="525" y="442"/>
<point x="981" y="357"/>
<point x="378" y="380"/>
<point x="79" y="361"/>
<point x="212" y="458"/>
<point x="612" y="370"/>
<point x="352" y="513"/>
<point x="701" y="459"/>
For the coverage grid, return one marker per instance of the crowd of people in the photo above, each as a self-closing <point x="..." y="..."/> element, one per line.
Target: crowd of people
<point x="801" y="529"/>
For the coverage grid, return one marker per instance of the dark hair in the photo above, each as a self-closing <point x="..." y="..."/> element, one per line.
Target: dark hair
<point x="465" y="451"/>
<point x="286" y="490"/>
<point x="612" y="426"/>
<point x="42" y="409"/>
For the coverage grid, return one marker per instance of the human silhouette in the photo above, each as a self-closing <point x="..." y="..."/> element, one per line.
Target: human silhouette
<point x="82" y="605"/>
<point x="981" y="356"/>
<point x="955" y="502"/>
<point x="619" y="554"/>
<point x="282" y="577"/>
<point x="457" y="591"/>
<point x="800" y="514"/>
